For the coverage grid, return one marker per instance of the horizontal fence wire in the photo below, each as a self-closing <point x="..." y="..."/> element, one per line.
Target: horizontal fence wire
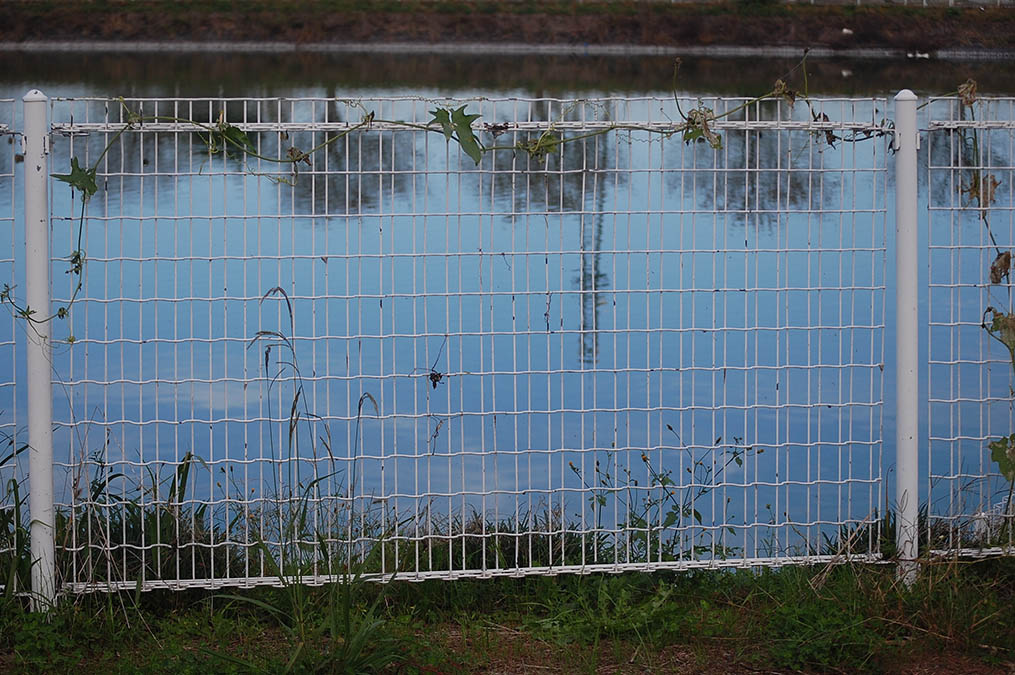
<point x="970" y="378"/>
<point x="315" y="332"/>
<point x="14" y="490"/>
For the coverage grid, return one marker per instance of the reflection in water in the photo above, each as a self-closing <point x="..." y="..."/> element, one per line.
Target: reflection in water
<point x="315" y="73"/>
<point x="534" y="330"/>
<point x="625" y="308"/>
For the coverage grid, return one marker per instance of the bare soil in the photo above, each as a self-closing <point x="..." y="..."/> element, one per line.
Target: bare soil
<point x="738" y="22"/>
<point x="503" y="650"/>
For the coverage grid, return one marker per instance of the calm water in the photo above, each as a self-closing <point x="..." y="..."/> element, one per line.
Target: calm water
<point x="721" y="314"/>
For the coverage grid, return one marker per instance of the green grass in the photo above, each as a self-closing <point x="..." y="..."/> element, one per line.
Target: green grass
<point x="839" y="619"/>
<point x="845" y="618"/>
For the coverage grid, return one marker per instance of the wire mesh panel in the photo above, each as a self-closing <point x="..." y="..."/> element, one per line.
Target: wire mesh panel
<point x="317" y="332"/>
<point x="13" y="517"/>
<point x="970" y="158"/>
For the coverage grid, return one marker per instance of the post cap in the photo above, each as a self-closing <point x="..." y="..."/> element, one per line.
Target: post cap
<point x="905" y="95"/>
<point x="34" y="96"/>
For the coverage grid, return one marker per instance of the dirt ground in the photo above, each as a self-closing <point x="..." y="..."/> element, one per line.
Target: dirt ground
<point x="502" y="650"/>
<point x="737" y="22"/>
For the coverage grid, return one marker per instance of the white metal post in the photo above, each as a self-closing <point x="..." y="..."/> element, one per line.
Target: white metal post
<point x="906" y="340"/>
<point x="40" y="388"/>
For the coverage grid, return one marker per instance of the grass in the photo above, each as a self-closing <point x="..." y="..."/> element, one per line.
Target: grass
<point x="844" y="618"/>
<point x="841" y="619"/>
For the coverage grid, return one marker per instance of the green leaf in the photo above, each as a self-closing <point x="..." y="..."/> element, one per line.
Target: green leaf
<point x="79" y="179"/>
<point x="1002" y="329"/>
<point x="545" y="145"/>
<point x="77" y="263"/>
<point x="443" y="118"/>
<point x="237" y="138"/>
<point x="223" y="136"/>
<point x="1002" y="451"/>
<point x="458" y="125"/>
<point x="1004" y="326"/>
<point x="463" y="128"/>
<point x="692" y="134"/>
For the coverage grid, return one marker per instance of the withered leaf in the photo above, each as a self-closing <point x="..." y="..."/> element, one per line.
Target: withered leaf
<point x="782" y="90"/>
<point x="497" y="129"/>
<point x="1000" y="267"/>
<point x="296" y="155"/>
<point x="698" y="127"/>
<point x="967" y="92"/>
<point x="830" y="137"/>
<point x="982" y="187"/>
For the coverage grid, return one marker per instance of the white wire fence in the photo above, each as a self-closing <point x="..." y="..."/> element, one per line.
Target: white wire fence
<point x="13" y="525"/>
<point x="316" y="332"/>
<point x="970" y="376"/>
<point x="621" y="353"/>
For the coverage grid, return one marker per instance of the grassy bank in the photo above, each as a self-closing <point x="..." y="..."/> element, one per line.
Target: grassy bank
<point x="959" y="617"/>
<point x="736" y="22"/>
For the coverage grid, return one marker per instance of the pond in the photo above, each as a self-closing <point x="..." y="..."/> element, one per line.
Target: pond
<point x="578" y="333"/>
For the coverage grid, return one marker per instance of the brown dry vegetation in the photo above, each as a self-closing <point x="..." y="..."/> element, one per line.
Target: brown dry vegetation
<point x="738" y="22"/>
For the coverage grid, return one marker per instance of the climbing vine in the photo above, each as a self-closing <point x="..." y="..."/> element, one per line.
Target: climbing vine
<point x="457" y="125"/>
<point x="980" y="189"/>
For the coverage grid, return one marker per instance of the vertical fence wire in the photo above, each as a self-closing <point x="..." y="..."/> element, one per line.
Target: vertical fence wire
<point x="13" y="493"/>
<point x="623" y="352"/>
<point x="971" y="213"/>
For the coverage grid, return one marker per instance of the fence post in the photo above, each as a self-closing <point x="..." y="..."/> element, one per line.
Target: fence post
<point x="40" y="388"/>
<point x="907" y="491"/>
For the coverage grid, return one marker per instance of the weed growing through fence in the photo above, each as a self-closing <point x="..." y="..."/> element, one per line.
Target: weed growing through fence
<point x="326" y="631"/>
<point x="667" y="504"/>
<point x="125" y="529"/>
<point x="15" y="546"/>
<point x="843" y="619"/>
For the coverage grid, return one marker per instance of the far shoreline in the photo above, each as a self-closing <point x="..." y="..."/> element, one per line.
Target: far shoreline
<point x="745" y="28"/>
<point x="501" y="49"/>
